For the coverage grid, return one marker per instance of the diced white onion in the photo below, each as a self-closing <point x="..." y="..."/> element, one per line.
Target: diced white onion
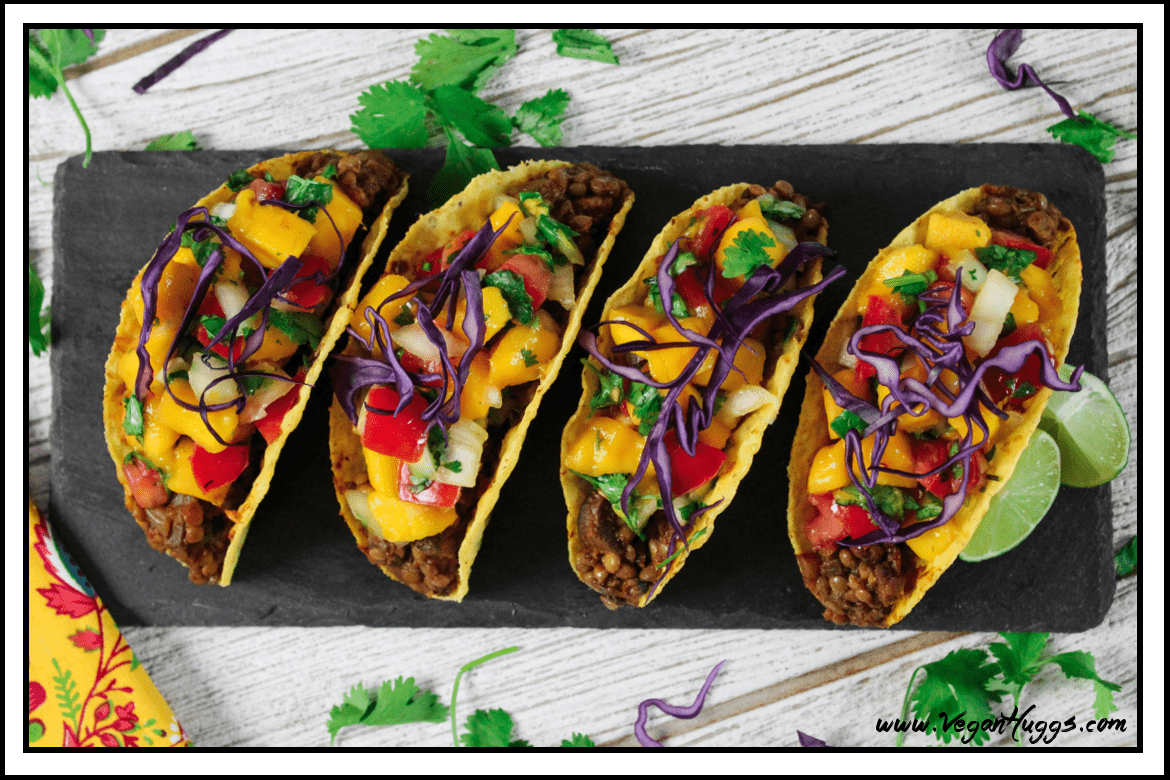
<point x="643" y="508"/>
<point x="359" y="504"/>
<point x="743" y="401"/>
<point x="784" y="235"/>
<point x="502" y="200"/>
<point x="414" y="340"/>
<point x="201" y="375"/>
<point x="969" y="270"/>
<point x="560" y="289"/>
<point x="567" y="248"/>
<point x="424" y="467"/>
<point x="845" y="358"/>
<point x="223" y="210"/>
<point x="270" y="390"/>
<point x="232" y="298"/>
<point x="989" y="311"/>
<point x="465" y="440"/>
<point x="528" y="230"/>
<point x="177" y="364"/>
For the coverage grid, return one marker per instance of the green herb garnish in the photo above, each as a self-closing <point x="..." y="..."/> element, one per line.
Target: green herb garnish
<point x="679" y="551"/>
<point x="584" y="45"/>
<point x="38" y="317"/>
<point x="396" y="702"/>
<point x="647" y="404"/>
<point x="529" y="358"/>
<point x="132" y="422"/>
<point x="50" y="51"/>
<point x="1009" y="325"/>
<point x="911" y="285"/>
<point x="405" y="316"/>
<point x="301" y="326"/>
<point x="511" y="285"/>
<point x="238" y="180"/>
<point x="747" y="253"/>
<point x="678" y="307"/>
<point x="609" y="390"/>
<point x="541" y="118"/>
<point x="1126" y="558"/>
<point x="772" y="206"/>
<point x="303" y="191"/>
<point x="1093" y="134"/>
<point x="1005" y="259"/>
<point x="845" y="422"/>
<point x="178" y="142"/>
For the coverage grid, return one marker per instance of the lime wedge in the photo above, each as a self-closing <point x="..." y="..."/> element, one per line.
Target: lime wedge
<point x="1090" y="429"/>
<point x="1024" y="500"/>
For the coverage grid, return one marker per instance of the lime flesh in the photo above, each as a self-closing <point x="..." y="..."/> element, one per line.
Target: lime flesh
<point x="1091" y="430"/>
<point x="1024" y="500"/>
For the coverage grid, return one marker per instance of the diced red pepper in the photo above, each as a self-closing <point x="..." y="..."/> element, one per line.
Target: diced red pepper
<point x="216" y="469"/>
<point x="1016" y="241"/>
<point x="1002" y="386"/>
<point x="834" y="522"/>
<point x="929" y="455"/>
<point x="267" y="190"/>
<point x="454" y="246"/>
<point x="689" y="472"/>
<point x="146" y="484"/>
<point x="879" y="311"/>
<point x="713" y="222"/>
<point x="438" y="494"/>
<point x="402" y="436"/>
<point x="432" y="264"/>
<point x="269" y="425"/>
<point x="416" y="365"/>
<point x="535" y="274"/>
<point x="308" y="293"/>
<point x="210" y="307"/>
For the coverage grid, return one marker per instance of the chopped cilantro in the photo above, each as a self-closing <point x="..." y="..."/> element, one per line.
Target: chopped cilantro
<point x="212" y="323"/>
<point x="611" y="487"/>
<point x="647" y="404"/>
<point x="678" y="307"/>
<point x="891" y="501"/>
<point x="301" y="326"/>
<point x="329" y="172"/>
<point x="1092" y="134"/>
<point x="552" y="261"/>
<point x="180" y="374"/>
<point x="428" y="265"/>
<point x="50" y="51"/>
<point x="1009" y="261"/>
<point x="405" y="317"/>
<point x="38" y="318"/>
<point x="1009" y="325"/>
<point x="252" y="383"/>
<point x="1024" y="389"/>
<point x="610" y="387"/>
<point x="747" y="253"/>
<point x="578" y="740"/>
<point x="132" y="422"/>
<point x="1125" y="560"/>
<point x="511" y="285"/>
<point x="201" y="249"/>
<point x="304" y="191"/>
<point x="529" y="358"/>
<point x="772" y="206"/>
<point x="453" y="466"/>
<point x="584" y="45"/>
<point x="466" y="58"/>
<point x="910" y="285"/>
<point x="682" y="261"/>
<point x="845" y="422"/>
<point x="553" y="231"/>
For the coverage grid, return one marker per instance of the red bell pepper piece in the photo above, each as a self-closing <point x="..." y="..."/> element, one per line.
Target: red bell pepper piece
<point x="929" y="455"/>
<point x="1001" y="385"/>
<point x="268" y="190"/>
<point x="269" y="425"/>
<point x="689" y="472"/>
<point x="1015" y="241"/>
<point x="402" y="436"/>
<point x="454" y="246"/>
<point x="878" y="311"/>
<point x="308" y="293"/>
<point x="834" y="522"/>
<point x="438" y="494"/>
<point x="713" y="222"/>
<point x="146" y="484"/>
<point x="215" y="469"/>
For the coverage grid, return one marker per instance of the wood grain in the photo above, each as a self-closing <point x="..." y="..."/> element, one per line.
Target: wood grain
<point x="296" y="88"/>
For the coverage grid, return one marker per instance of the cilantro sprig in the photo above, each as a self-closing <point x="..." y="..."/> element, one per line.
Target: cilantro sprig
<point x="1126" y="559"/>
<point x="970" y="680"/>
<point x="1090" y="133"/>
<point x="50" y="51"/>
<point x="747" y="253"/>
<point x="38" y="317"/>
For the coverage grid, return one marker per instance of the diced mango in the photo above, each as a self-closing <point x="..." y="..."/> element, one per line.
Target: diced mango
<point x="828" y="468"/>
<point x="474" y="400"/>
<point x="382" y="470"/>
<point x="645" y="317"/>
<point x="1024" y="310"/>
<point x="914" y="259"/>
<point x="385" y="287"/>
<point x="934" y="542"/>
<point x="605" y="446"/>
<point x="757" y="224"/>
<point x="158" y="441"/>
<point x="495" y="310"/>
<point x="1043" y="292"/>
<point x="848" y="378"/>
<point x="346" y="216"/>
<point x="272" y="233"/>
<point x="750" y="209"/>
<point x="522" y="354"/>
<point x="157" y="346"/>
<point x="509" y="239"/>
<point x="956" y="231"/>
<point x="716" y="434"/>
<point x="749" y="359"/>
<point x="190" y="423"/>
<point x="182" y="477"/>
<point x="989" y="418"/>
<point x="666" y="364"/>
<point x="184" y="256"/>
<point x="405" y="521"/>
<point x="276" y="347"/>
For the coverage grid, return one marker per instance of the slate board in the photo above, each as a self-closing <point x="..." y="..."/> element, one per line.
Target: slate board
<point x="300" y="565"/>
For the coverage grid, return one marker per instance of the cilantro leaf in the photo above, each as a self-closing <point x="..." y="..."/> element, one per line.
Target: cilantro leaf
<point x="301" y="326"/>
<point x="910" y="285"/>
<point x="578" y="740"/>
<point x="1126" y="558"/>
<point x="678" y="307"/>
<point x="1092" y="134"/>
<point x="41" y="81"/>
<point x="541" y="117"/>
<point x="490" y="728"/>
<point x="845" y="422"/>
<point x="747" y="253"/>
<point x="132" y="422"/>
<point x="466" y="59"/>
<point x="481" y="123"/>
<point x="398" y="701"/>
<point x="1019" y="657"/>
<point x="49" y="55"/>
<point x="511" y="284"/>
<point x="72" y="46"/>
<point x="609" y="389"/>
<point x="392" y="115"/>
<point x="647" y="405"/>
<point x="182" y="141"/>
<point x="1009" y="261"/>
<point x="463" y="164"/>
<point x="1081" y="665"/>
<point x="529" y="358"/>
<point x="772" y="206"/>
<point x="38" y="319"/>
<point x="584" y="45"/>
<point x="239" y="179"/>
<point x="960" y="682"/>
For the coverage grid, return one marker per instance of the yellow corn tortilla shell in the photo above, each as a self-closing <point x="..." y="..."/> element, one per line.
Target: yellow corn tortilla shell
<point x="466" y="211"/>
<point x="747" y="437"/>
<point x="1011" y="439"/>
<point x="126" y="340"/>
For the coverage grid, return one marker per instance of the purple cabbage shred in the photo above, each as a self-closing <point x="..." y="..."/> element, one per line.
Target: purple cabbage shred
<point x="171" y="65"/>
<point x="673" y="710"/>
<point x="1002" y="47"/>
<point x="808" y="741"/>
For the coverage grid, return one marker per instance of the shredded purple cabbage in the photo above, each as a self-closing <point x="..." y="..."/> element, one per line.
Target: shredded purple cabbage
<point x="807" y="741"/>
<point x="644" y="739"/>
<point x="1004" y="46"/>
<point x="171" y="65"/>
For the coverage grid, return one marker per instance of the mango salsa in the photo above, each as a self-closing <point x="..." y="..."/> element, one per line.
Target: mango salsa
<point x="605" y="446"/>
<point x="272" y="233"/>
<point x="956" y="231"/>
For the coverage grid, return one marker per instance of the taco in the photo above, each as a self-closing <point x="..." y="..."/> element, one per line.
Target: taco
<point x="692" y="360"/>
<point x="924" y="395"/>
<point x="450" y="355"/>
<point x="269" y="263"/>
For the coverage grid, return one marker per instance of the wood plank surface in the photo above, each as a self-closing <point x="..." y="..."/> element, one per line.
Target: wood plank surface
<point x="296" y="88"/>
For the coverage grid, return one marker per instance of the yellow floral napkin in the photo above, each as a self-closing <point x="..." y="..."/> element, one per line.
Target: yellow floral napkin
<point x="85" y="687"/>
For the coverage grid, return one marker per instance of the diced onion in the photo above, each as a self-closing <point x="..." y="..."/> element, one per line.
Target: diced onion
<point x="359" y="504"/>
<point x="969" y="270"/>
<point x="232" y="298"/>
<point x="743" y="401"/>
<point x="223" y="210"/>
<point x="414" y="340"/>
<point x="424" y="467"/>
<point x="528" y="230"/>
<point x="784" y="235"/>
<point x="201" y="375"/>
<point x="502" y="200"/>
<point x="493" y="396"/>
<point x="845" y="358"/>
<point x="560" y="289"/>
<point x="989" y="311"/>
<point x="270" y="390"/>
<point x="567" y="248"/>
<point x="465" y="440"/>
<point x="643" y="508"/>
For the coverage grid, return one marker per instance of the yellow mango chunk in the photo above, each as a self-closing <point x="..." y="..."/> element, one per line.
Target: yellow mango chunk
<point x="182" y="478"/>
<point x="933" y="543"/>
<point x="158" y="441"/>
<point x="1024" y="309"/>
<point x="716" y="434"/>
<point x="1043" y="292"/>
<point x="645" y="317"/>
<point x="495" y="309"/>
<point x="828" y="469"/>
<point x="276" y="347"/>
<point x="272" y="233"/>
<point x="375" y="298"/>
<point x="190" y="423"/>
<point x="956" y="231"/>
<point x="749" y="210"/>
<point x="346" y="216"/>
<point x="509" y="239"/>
<point x="605" y="445"/>
<point x="847" y="377"/>
<point x="401" y="521"/>
<point x="960" y="425"/>
<point x="157" y="345"/>
<point x="667" y="364"/>
<point x="749" y="359"/>
<point x="474" y="400"/>
<point x="757" y="224"/>
<point x="382" y="470"/>
<point x="913" y="259"/>
<point x="524" y="351"/>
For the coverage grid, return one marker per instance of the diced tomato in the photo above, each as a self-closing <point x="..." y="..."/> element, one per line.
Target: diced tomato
<point x="689" y="472"/>
<point x="308" y="293"/>
<point x="713" y="222"/>
<point x="929" y="455"/>
<point x="146" y="484"/>
<point x="454" y="246"/>
<point x="687" y="285"/>
<point x="978" y="475"/>
<point x="269" y="424"/>
<point x="220" y="348"/>
<point x="535" y="274"/>
<point x="879" y="311"/>
<point x="209" y="306"/>
<point x="416" y="365"/>
<point x="216" y="469"/>
<point x="835" y="522"/>
<point x="438" y="494"/>
<point x="1016" y="241"/>
<point x="432" y="264"/>
<point x="1001" y="385"/>
<point x="267" y="190"/>
<point x="403" y="435"/>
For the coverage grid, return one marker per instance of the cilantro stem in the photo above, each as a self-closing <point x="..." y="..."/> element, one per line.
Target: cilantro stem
<point x="467" y="668"/>
<point x="88" y="142"/>
<point x="906" y="706"/>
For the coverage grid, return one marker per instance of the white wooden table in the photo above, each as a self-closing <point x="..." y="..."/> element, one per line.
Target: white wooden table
<point x="274" y="686"/>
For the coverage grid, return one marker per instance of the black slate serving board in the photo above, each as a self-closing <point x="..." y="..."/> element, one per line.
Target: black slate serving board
<point x="300" y="565"/>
